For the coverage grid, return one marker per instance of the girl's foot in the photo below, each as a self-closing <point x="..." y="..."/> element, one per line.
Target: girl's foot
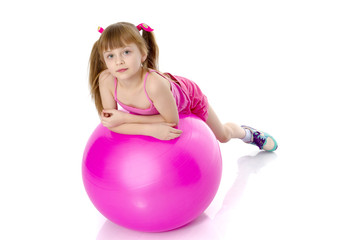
<point x="261" y="139"/>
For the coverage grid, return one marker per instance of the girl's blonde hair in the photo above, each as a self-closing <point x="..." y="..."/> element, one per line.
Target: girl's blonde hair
<point x="119" y="35"/>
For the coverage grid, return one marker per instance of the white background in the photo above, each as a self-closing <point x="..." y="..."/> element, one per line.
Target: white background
<point x="288" y="67"/>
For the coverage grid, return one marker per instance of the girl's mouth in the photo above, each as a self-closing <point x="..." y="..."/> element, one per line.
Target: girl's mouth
<point x="122" y="70"/>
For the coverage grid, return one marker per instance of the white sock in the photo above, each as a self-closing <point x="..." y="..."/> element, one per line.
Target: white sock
<point x="248" y="136"/>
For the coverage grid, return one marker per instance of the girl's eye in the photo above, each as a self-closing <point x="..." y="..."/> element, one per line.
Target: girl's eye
<point x="127" y="52"/>
<point x="110" y="56"/>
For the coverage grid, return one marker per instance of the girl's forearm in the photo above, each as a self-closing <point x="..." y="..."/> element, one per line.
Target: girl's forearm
<point x="133" y="129"/>
<point x="131" y="118"/>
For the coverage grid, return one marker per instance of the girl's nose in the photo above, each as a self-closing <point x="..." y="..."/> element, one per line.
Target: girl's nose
<point x="119" y="60"/>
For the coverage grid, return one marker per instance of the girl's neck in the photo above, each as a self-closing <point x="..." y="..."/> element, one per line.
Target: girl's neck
<point x="134" y="82"/>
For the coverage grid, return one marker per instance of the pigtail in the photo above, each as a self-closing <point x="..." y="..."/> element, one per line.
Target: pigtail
<point x="153" y="51"/>
<point x="96" y="67"/>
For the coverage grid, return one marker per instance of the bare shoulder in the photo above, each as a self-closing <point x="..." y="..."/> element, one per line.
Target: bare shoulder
<point x="105" y="79"/>
<point x="106" y="87"/>
<point x="156" y="83"/>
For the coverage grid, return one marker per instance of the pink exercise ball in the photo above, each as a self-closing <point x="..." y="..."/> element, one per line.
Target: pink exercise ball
<point x="150" y="185"/>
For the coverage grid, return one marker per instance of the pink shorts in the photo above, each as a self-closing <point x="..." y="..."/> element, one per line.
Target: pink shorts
<point x="198" y="104"/>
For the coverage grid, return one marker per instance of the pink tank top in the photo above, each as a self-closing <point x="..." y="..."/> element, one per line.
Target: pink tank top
<point x="181" y="98"/>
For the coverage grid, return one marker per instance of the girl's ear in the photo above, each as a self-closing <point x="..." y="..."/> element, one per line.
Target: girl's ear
<point x="143" y="58"/>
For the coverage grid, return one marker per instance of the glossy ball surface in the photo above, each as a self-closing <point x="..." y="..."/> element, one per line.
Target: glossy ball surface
<point x="150" y="185"/>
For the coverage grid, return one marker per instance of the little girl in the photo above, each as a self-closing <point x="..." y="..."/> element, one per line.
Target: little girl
<point x="124" y="75"/>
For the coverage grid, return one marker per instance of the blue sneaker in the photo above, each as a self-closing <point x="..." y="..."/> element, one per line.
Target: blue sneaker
<point x="260" y="138"/>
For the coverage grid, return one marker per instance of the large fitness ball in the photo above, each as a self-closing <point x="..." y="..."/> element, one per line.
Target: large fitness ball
<point x="150" y="185"/>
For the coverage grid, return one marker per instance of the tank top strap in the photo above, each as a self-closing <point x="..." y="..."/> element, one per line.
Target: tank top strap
<point x="146" y="76"/>
<point x="152" y="70"/>
<point x="115" y="92"/>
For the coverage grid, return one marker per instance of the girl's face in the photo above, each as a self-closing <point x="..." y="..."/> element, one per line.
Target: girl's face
<point x="124" y="63"/>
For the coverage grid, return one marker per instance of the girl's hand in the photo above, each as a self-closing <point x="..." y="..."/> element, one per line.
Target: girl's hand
<point x="112" y="118"/>
<point x="165" y="131"/>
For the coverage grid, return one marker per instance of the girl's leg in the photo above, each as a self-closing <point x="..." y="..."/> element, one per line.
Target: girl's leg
<point x="223" y="132"/>
<point x="227" y="131"/>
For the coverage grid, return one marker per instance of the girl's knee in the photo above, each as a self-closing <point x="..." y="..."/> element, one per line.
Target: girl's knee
<point x="224" y="136"/>
<point x="223" y="139"/>
<point x="221" y="131"/>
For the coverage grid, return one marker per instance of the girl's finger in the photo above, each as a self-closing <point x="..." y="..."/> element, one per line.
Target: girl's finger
<point x="109" y="111"/>
<point x="174" y="135"/>
<point x="177" y="131"/>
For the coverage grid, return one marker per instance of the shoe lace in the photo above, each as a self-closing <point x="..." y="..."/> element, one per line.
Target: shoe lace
<point x="259" y="139"/>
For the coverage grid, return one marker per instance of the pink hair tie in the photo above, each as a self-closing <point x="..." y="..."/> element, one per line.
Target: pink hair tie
<point x="100" y="29"/>
<point x="144" y="27"/>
